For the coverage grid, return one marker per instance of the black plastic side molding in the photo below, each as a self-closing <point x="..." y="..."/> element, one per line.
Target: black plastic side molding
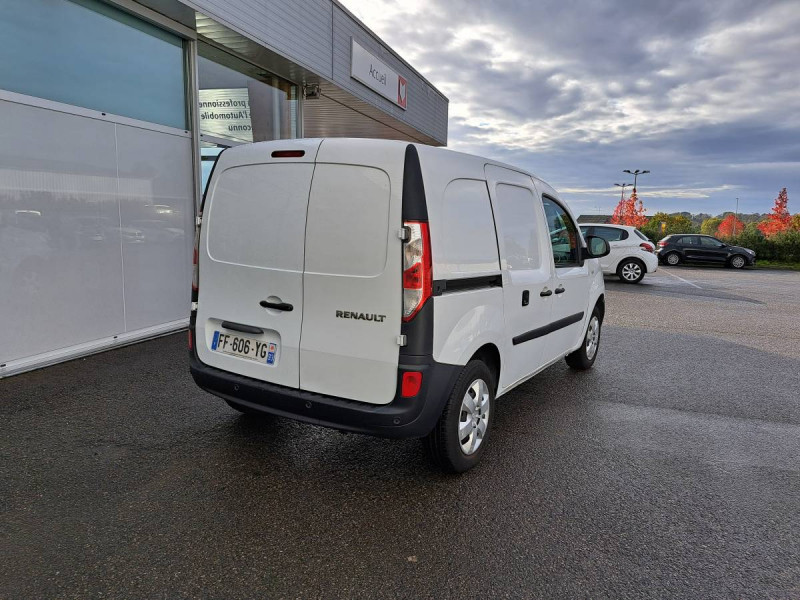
<point x="549" y="328"/>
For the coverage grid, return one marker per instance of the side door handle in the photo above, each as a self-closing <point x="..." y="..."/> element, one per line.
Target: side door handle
<point x="285" y="306"/>
<point x="545" y="292"/>
<point x="526" y="298"/>
<point x="560" y="290"/>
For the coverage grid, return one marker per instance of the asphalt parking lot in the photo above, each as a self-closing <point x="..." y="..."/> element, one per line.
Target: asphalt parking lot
<point x="671" y="470"/>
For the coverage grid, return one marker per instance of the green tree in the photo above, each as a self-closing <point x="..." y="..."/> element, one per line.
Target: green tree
<point x="674" y="223"/>
<point x="710" y="225"/>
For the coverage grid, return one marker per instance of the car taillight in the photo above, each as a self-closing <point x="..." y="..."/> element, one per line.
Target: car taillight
<point x="662" y="243"/>
<point x="417" y="269"/>
<point x="646" y="246"/>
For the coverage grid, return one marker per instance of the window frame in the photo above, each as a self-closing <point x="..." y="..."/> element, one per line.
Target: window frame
<point x="579" y="246"/>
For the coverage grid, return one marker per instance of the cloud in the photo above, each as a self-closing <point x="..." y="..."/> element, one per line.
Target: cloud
<point x="705" y="95"/>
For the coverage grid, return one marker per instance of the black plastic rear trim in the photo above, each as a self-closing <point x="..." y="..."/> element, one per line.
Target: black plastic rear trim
<point x="446" y="286"/>
<point x="418" y="331"/>
<point x="240" y="327"/>
<point x="415" y="208"/>
<point x="549" y="328"/>
<point x="401" y="418"/>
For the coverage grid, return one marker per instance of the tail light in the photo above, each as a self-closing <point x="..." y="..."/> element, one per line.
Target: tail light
<point x="646" y="246"/>
<point x="417" y="269"/>
<point x="662" y="243"/>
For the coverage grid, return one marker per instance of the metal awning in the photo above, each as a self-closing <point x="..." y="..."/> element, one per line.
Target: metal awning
<point x="336" y="113"/>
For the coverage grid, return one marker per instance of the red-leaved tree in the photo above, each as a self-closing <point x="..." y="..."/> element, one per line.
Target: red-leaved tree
<point x="629" y="211"/>
<point x="779" y="219"/>
<point x="729" y="227"/>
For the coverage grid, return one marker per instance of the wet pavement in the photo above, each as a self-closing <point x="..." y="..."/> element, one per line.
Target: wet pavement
<point x="671" y="470"/>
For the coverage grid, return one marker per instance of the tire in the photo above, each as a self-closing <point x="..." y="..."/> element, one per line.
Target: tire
<point x="672" y="259"/>
<point x="737" y="261"/>
<point x="631" y="271"/>
<point x="246" y="410"/>
<point x="583" y="358"/>
<point x="444" y="442"/>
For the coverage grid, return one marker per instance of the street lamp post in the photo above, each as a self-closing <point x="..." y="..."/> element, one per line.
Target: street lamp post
<point x="635" y="174"/>
<point x="622" y="192"/>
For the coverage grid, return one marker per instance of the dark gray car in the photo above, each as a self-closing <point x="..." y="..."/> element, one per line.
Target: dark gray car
<point x="677" y="248"/>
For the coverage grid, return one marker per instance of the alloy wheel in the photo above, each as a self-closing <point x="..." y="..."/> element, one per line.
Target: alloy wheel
<point x="592" y="337"/>
<point x="474" y="417"/>
<point x="631" y="271"/>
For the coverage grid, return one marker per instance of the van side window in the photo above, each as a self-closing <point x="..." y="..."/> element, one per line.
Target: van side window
<point x="516" y="215"/>
<point x="563" y="234"/>
<point x="468" y="241"/>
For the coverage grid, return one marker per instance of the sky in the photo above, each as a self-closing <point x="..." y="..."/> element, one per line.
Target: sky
<point x="703" y="93"/>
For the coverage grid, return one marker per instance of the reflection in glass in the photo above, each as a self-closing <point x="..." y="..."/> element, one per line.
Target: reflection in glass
<point x="92" y="55"/>
<point x="241" y="102"/>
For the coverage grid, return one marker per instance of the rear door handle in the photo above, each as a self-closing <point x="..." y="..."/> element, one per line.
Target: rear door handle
<point x="239" y="327"/>
<point x="560" y="290"/>
<point x="526" y="298"/>
<point x="285" y="306"/>
<point x="546" y="292"/>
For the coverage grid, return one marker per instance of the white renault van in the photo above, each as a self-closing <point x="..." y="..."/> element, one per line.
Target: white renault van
<point x="386" y="288"/>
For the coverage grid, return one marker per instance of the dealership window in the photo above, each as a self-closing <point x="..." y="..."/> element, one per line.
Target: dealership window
<point x="89" y="54"/>
<point x="240" y="102"/>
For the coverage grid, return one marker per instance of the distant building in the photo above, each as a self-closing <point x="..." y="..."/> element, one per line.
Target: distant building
<point x="594" y="219"/>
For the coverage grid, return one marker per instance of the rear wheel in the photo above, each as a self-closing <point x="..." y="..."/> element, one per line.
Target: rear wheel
<point x="583" y="358"/>
<point x="630" y="271"/>
<point x="458" y="440"/>
<point x="737" y="261"/>
<point x="673" y="258"/>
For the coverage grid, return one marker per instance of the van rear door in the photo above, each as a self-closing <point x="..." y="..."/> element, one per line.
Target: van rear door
<point x="352" y="302"/>
<point x="250" y="299"/>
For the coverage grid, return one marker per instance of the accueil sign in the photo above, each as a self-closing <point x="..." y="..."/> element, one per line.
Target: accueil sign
<point x="373" y="73"/>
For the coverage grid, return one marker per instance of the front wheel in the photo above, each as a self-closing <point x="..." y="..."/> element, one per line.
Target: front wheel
<point x="458" y="440"/>
<point x="737" y="261"/>
<point x="583" y="358"/>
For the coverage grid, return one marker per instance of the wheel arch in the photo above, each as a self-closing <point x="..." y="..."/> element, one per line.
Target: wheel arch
<point x="600" y="305"/>
<point x="489" y="354"/>
<point x="625" y="259"/>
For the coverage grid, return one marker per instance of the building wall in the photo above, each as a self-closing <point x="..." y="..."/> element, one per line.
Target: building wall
<point x="316" y="35"/>
<point x="95" y="229"/>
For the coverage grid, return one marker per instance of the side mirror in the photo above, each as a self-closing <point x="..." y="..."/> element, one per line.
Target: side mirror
<point x="596" y="247"/>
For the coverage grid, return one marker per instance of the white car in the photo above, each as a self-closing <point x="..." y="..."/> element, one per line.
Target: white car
<point x="632" y="253"/>
<point x="386" y="288"/>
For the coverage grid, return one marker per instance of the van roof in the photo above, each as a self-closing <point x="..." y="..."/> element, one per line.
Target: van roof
<point x="423" y="149"/>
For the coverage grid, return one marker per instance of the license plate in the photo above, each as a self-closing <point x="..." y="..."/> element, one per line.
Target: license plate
<point x="245" y="347"/>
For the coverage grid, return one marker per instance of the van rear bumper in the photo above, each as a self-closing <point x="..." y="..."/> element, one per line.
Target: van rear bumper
<point x="401" y="418"/>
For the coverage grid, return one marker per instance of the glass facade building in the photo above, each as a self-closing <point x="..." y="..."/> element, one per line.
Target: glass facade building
<point x="112" y="114"/>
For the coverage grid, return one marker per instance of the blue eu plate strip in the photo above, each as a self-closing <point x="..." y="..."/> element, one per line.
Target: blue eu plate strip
<point x="216" y="339"/>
